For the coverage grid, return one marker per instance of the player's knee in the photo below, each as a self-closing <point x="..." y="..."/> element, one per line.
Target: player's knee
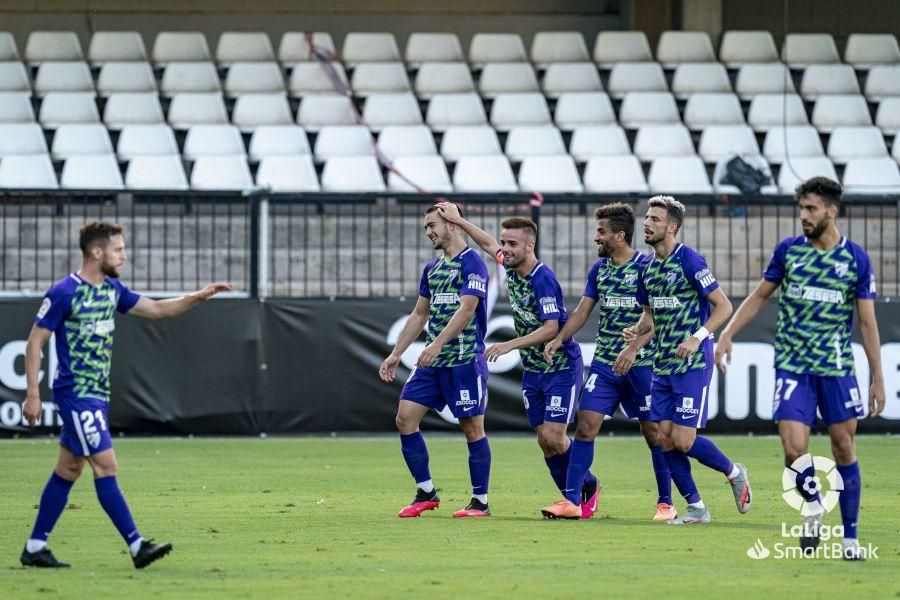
<point x="70" y="471"/>
<point x="404" y="424"/>
<point x="844" y="449"/>
<point x="585" y="432"/>
<point x="683" y="444"/>
<point x="651" y="433"/>
<point x="554" y="442"/>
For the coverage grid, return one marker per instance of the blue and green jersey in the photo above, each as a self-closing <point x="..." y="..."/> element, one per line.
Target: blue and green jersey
<point x="815" y="311"/>
<point x="444" y="282"/>
<point x="81" y="316"/>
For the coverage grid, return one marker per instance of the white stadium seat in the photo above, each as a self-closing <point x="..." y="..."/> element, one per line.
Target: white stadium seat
<point x="128" y="109"/>
<point x="549" y="174"/>
<point x="872" y="176"/>
<point x="145" y="140"/>
<point x="180" y="46"/>
<point x="212" y="140"/>
<point x="189" y="77"/>
<point x="836" y="111"/>
<point x="636" y="77"/>
<point x="560" y="78"/>
<point x="370" y="47"/>
<point x="379" y="78"/>
<point x="433" y="47"/>
<point x="44" y="46"/>
<point x="443" y="78"/>
<point x="287" y="174"/>
<point x="865" y="50"/>
<point x="449" y="110"/>
<point x="68" y="107"/>
<point x="704" y="109"/>
<point x="8" y="48"/>
<point x="243" y="46"/>
<point x="294" y="46"/>
<point x="343" y="140"/>
<point x="558" y="46"/>
<point x="820" y="80"/>
<point x="21" y="138"/>
<point x="848" y="143"/>
<point x="578" y="109"/>
<point x="648" y="108"/>
<point x="15" y="107"/>
<point x="613" y="47"/>
<point x="221" y="173"/>
<point x="883" y="81"/>
<point x="469" y="140"/>
<point x="116" y="77"/>
<point x="406" y="140"/>
<point x="34" y="171"/>
<point x="254" y="78"/>
<point x="740" y="47"/>
<point x="63" y="77"/>
<point x="721" y="141"/>
<point x="692" y="78"/>
<point x="507" y="78"/>
<point x="511" y="110"/>
<point x="802" y="168"/>
<point x="277" y="140"/>
<point x="653" y="141"/>
<point x="197" y="109"/>
<point x="768" y="111"/>
<point x="766" y="78"/>
<point x="381" y="110"/>
<point x="118" y="46"/>
<point x="681" y="174"/>
<point x="254" y="110"/>
<point x="318" y="110"/>
<point x="94" y="172"/>
<point x="80" y="139"/>
<point x="352" y="174"/>
<point x="484" y="174"/>
<point x="799" y="141"/>
<point x="534" y="140"/>
<point x="14" y="77"/>
<point x="589" y="141"/>
<point x="496" y="47"/>
<point x="677" y="47"/>
<point x="802" y="49"/>
<point x="163" y="172"/>
<point x="311" y="78"/>
<point x="614" y="174"/>
<point x="425" y="172"/>
<point x="887" y="117"/>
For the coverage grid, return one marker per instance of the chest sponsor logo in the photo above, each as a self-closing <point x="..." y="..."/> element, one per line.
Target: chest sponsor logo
<point x="527" y="316"/>
<point x="664" y="302"/>
<point x="815" y="294"/>
<point x="477" y="282"/>
<point x="619" y="301"/>
<point x="102" y="327"/>
<point x="445" y="298"/>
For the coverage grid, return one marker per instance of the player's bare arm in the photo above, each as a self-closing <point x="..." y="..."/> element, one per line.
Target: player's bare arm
<point x="745" y="313"/>
<point x="414" y="325"/>
<point x="868" y="328"/>
<point x="545" y="332"/>
<point x="458" y="322"/>
<point x="577" y="319"/>
<point x="642" y="327"/>
<point x="486" y="241"/>
<point x="36" y="341"/>
<point x="721" y="311"/>
<point x="148" y="308"/>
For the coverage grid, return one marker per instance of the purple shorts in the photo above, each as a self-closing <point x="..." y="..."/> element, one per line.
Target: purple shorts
<point x="551" y="397"/>
<point x="462" y="388"/>
<point x="681" y="398"/>
<point x="604" y="391"/>
<point x="797" y="396"/>
<point x="85" y="429"/>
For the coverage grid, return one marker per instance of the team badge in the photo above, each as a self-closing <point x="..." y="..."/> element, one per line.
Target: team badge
<point x="840" y="269"/>
<point x="630" y="278"/>
<point x="671" y="277"/>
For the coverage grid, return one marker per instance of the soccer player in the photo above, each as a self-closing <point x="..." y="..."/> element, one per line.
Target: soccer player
<point x="451" y="370"/>
<point x="620" y="373"/>
<point x="685" y="304"/>
<point x="80" y="310"/>
<point x="549" y="390"/>
<point x="822" y="275"/>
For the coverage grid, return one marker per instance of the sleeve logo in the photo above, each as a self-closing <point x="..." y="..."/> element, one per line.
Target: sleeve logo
<point x="45" y="308"/>
<point x="705" y="278"/>
<point x="872" y="288"/>
<point x="477" y="282"/>
<point x="548" y="304"/>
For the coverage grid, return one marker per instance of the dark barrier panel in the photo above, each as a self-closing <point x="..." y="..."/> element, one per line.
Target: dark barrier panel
<point x="297" y="366"/>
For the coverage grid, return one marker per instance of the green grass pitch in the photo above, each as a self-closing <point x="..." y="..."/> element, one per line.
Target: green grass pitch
<point x="316" y="517"/>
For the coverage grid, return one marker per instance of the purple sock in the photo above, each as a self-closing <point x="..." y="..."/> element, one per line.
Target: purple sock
<point x="415" y="452"/>
<point x="849" y="498"/>
<point x="705" y="451"/>
<point x="663" y="477"/>
<point x="480" y="465"/>
<point x="680" y="468"/>
<point x="53" y="501"/>
<point x="558" y="464"/>
<point x="801" y="479"/>
<point x="582" y="455"/>
<point x="113" y="502"/>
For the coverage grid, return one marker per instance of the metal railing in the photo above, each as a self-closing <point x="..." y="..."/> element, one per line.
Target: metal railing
<point x="319" y="245"/>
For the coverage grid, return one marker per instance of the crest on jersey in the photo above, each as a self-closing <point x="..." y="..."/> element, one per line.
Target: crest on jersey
<point x="840" y="269"/>
<point x="630" y="278"/>
<point x="671" y="277"/>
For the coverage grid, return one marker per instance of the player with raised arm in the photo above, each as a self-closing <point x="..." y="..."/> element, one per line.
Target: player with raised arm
<point x="685" y="304"/>
<point x="620" y="373"/>
<point x="822" y="276"/>
<point x="451" y="370"/>
<point x="80" y="311"/>
<point x="549" y="390"/>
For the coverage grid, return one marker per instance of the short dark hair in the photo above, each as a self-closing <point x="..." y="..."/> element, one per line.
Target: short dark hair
<point x="520" y="223"/>
<point x="620" y="217"/>
<point x="674" y="208"/>
<point x="828" y="189"/>
<point x="96" y="233"/>
<point x="434" y="208"/>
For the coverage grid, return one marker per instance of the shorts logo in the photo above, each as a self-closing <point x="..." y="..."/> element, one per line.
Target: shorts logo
<point x="556" y="408"/>
<point x="646" y="406"/>
<point x="44" y="309"/>
<point x="840" y="269"/>
<point x="477" y="282"/>
<point x="93" y="439"/>
<point x="548" y="305"/>
<point x="465" y="399"/>
<point x="687" y="409"/>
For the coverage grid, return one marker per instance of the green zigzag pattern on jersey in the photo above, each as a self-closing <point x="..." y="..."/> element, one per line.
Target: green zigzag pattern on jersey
<point x="90" y="355"/>
<point x="445" y="277"/>
<point x="523" y="299"/>
<point x="611" y="283"/>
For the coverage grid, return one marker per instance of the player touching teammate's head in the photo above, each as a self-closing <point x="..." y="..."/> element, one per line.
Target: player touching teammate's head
<point x="439" y="230"/>
<point x="517" y="240"/>
<point x="664" y="217"/>
<point x="104" y="243"/>
<point x="820" y="200"/>
<point x="615" y="227"/>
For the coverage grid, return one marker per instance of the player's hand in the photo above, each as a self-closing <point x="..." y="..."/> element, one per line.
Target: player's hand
<point x="32" y="408"/>
<point x="876" y="397"/>
<point x="624" y="361"/>
<point x="429" y="355"/>
<point x="497" y="350"/>
<point x="388" y="368"/>
<point x="550" y="348"/>
<point x="723" y="352"/>
<point x="449" y="211"/>
<point x="687" y="347"/>
<point x="630" y="334"/>
<point x="213" y="289"/>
